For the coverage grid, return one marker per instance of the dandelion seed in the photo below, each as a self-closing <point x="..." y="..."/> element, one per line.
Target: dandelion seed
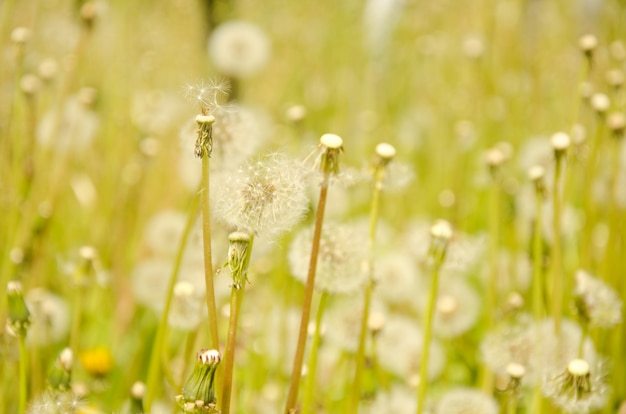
<point x="266" y="196"/>
<point x="55" y="402"/>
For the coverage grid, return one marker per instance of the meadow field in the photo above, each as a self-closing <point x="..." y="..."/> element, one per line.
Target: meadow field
<point x="376" y="206"/>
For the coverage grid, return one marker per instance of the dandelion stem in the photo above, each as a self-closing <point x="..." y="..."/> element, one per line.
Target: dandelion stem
<point x="307" y="405"/>
<point x="557" y="274"/>
<point x="296" y="371"/>
<point x="23" y="387"/>
<point x="428" y="328"/>
<point x="236" y="297"/>
<point x="208" y="261"/>
<point x="538" y="282"/>
<point x="157" y="349"/>
<point x="360" y="355"/>
<point x="229" y="352"/>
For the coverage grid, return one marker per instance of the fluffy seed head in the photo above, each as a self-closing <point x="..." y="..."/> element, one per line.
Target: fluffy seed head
<point x="467" y="401"/>
<point x="266" y="196"/>
<point x="239" y="49"/>
<point x="596" y="302"/>
<point x="341" y="257"/>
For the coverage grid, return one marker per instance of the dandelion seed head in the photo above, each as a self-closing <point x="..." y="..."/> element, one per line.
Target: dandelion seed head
<point x="48" y="69"/>
<point x="50" y="317"/>
<point x="343" y="321"/>
<point x="467" y="401"/>
<point x="598" y="302"/>
<point x="578" y="388"/>
<point x="30" y="84"/>
<point x="266" y="196"/>
<point x="615" y="77"/>
<point x="399" y="349"/>
<point x="239" y="49"/>
<point x="20" y="35"/>
<point x="457" y="307"/>
<point x="186" y="309"/>
<point x="616" y="122"/>
<point x="164" y="230"/>
<point x="397" y="278"/>
<point x="342" y="254"/>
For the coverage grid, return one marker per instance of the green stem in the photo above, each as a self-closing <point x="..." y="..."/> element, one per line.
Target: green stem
<point x="512" y="403"/>
<point x="428" y="328"/>
<point x="296" y="370"/>
<point x="538" y="282"/>
<point x="229" y="352"/>
<point x="307" y="405"/>
<point x="557" y="274"/>
<point x="77" y="312"/>
<point x="208" y="261"/>
<point x="360" y="355"/>
<point x="23" y="387"/>
<point x="157" y="348"/>
<point x="236" y="297"/>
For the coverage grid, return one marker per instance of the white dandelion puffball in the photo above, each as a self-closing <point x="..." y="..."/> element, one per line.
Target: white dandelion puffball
<point x="467" y="401"/>
<point x="399" y="349"/>
<point x="266" y="196"/>
<point x="164" y="230"/>
<point x="341" y="261"/>
<point x="239" y="49"/>
<point x="457" y="307"/>
<point x="50" y="316"/>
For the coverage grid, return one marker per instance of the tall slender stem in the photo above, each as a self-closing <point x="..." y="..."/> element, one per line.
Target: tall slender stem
<point x="208" y="261"/>
<point x="157" y="348"/>
<point x="23" y="387"/>
<point x="307" y="405"/>
<point x="239" y="254"/>
<point x="229" y="352"/>
<point x="296" y="371"/>
<point x="428" y="328"/>
<point x="538" y="282"/>
<point x="557" y="274"/>
<point x="360" y="355"/>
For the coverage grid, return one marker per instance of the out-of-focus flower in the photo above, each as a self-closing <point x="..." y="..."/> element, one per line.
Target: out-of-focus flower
<point x="50" y="317"/>
<point x="239" y="49"/>
<point x="342" y="257"/>
<point x="467" y="401"/>
<point x="596" y="302"/>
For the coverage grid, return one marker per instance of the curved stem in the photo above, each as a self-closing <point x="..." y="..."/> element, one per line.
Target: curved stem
<point x="307" y="405"/>
<point x="157" y="348"/>
<point x="296" y="371"/>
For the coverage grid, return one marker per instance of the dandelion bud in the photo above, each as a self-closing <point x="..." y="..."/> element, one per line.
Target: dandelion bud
<point x="60" y="375"/>
<point x="237" y="252"/>
<point x="30" y="84"/>
<point x="89" y="12"/>
<point x="441" y="232"/>
<point x="329" y="160"/>
<point x="137" y="393"/>
<point x="296" y="113"/>
<point x="494" y="159"/>
<point x="48" y="69"/>
<point x="204" y="141"/>
<point x="588" y="44"/>
<point x="19" y="316"/>
<point x="615" y="78"/>
<point x="385" y="153"/>
<point x="198" y="394"/>
<point x="617" y="123"/>
<point x="536" y="174"/>
<point x="560" y="143"/>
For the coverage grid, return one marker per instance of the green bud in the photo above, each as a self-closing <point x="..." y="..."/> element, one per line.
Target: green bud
<point x="19" y="316"/>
